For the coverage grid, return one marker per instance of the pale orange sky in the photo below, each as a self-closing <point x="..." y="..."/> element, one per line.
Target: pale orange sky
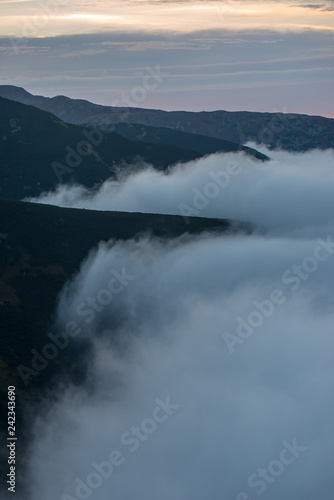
<point x="63" y="17"/>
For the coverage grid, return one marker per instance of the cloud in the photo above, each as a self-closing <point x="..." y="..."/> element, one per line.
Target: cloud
<point x="234" y="411"/>
<point x="317" y="6"/>
<point x="290" y="192"/>
<point x="161" y="341"/>
<point x="170" y="17"/>
<point x="160" y="45"/>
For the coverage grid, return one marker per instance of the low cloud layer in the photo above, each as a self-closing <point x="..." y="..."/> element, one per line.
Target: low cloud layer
<point x="233" y="409"/>
<point x="212" y="356"/>
<point x="292" y="191"/>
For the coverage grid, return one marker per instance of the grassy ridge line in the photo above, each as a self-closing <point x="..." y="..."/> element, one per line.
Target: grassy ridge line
<point x="52" y="233"/>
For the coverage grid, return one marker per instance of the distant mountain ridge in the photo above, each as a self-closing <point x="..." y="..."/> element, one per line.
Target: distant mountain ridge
<point x="288" y="131"/>
<point x="38" y="151"/>
<point x="201" y="144"/>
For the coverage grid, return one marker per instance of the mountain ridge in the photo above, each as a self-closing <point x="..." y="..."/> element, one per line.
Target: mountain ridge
<point x="38" y="151"/>
<point x="290" y="131"/>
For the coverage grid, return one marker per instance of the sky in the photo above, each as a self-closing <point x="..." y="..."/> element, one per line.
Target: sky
<point x="232" y="331"/>
<point x="233" y="55"/>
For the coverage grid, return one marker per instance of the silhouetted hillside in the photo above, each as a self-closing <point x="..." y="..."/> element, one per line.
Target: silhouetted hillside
<point x="194" y="142"/>
<point x="38" y="151"/>
<point x="293" y="132"/>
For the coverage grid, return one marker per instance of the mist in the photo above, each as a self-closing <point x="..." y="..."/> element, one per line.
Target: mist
<point x="289" y="192"/>
<point x="211" y="369"/>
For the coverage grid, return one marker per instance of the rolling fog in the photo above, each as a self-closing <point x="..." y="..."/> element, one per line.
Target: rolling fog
<point x="290" y="191"/>
<point x="211" y="372"/>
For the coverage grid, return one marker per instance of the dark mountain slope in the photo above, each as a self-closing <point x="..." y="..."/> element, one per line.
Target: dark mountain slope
<point x="199" y="143"/>
<point x="42" y="246"/>
<point x="290" y="131"/>
<point x="38" y="150"/>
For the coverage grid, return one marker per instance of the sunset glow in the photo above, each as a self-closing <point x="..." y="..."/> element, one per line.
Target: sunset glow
<point x="64" y="17"/>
